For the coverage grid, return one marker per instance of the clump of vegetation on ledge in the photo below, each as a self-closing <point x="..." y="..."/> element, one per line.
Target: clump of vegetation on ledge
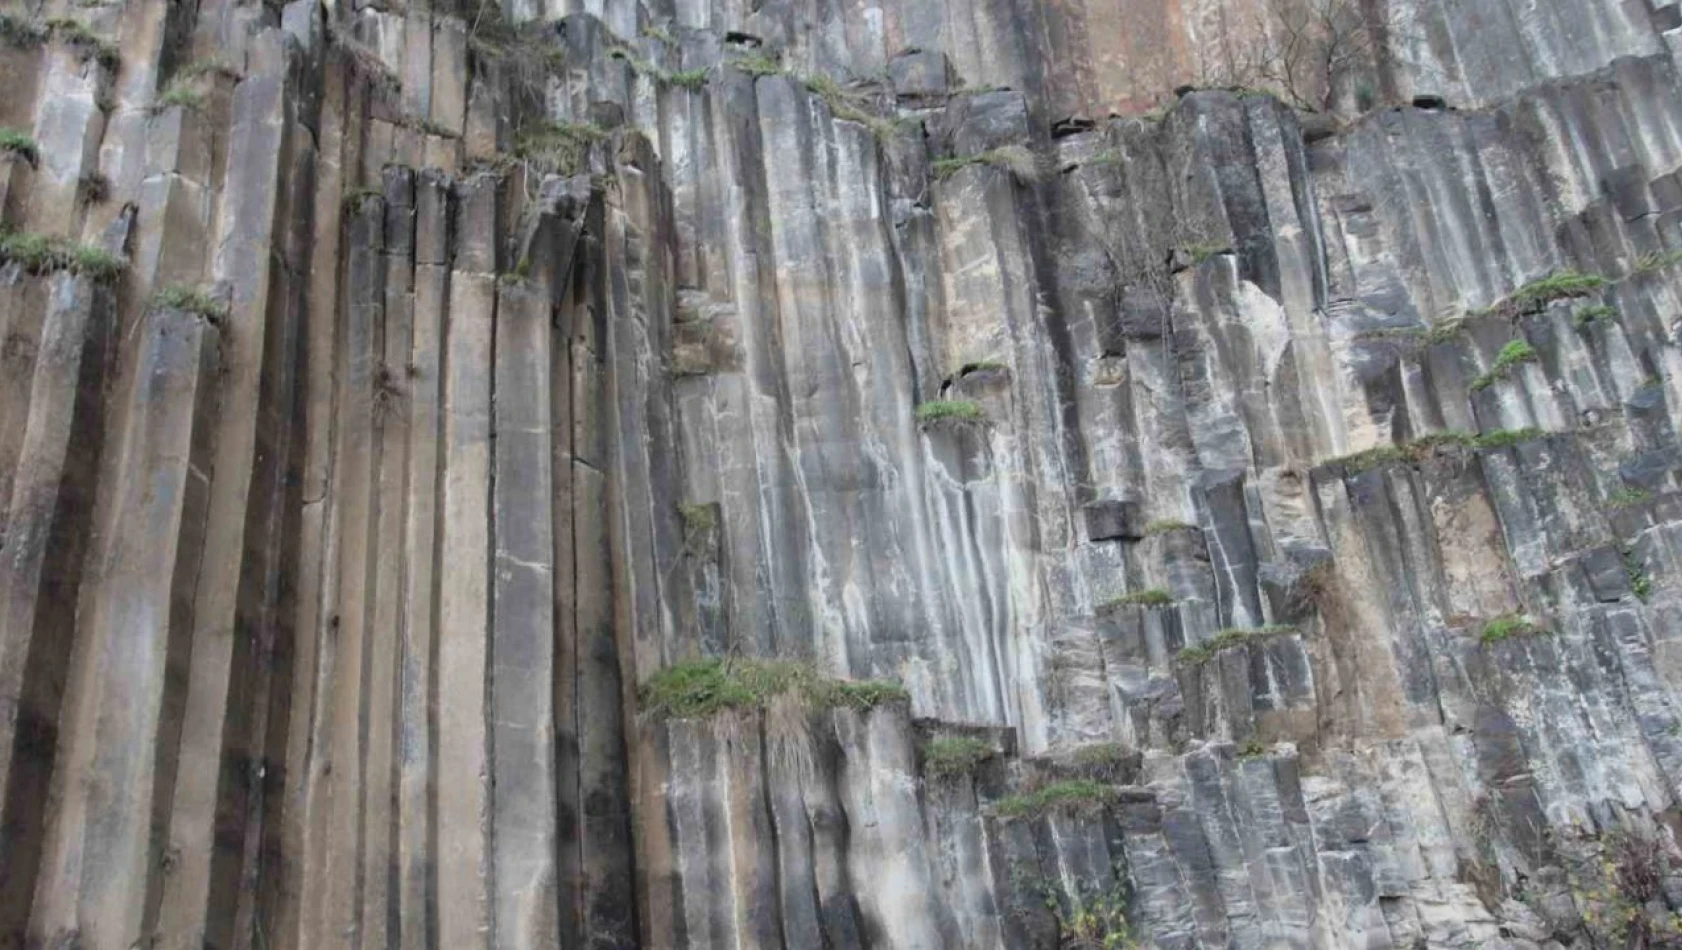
<point x="1165" y="525"/>
<point x="557" y="148"/>
<point x="40" y="254"/>
<point x="1423" y="447"/>
<point x="848" y="106"/>
<point x="1560" y="285"/>
<point x="756" y="65"/>
<point x="88" y="45"/>
<point x="1073" y="796"/>
<point x="188" y="300"/>
<point x="1594" y="313"/>
<point x="1154" y="597"/>
<point x="949" y="410"/>
<point x="1654" y="261"/>
<point x="1016" y="159"/>
<point x="1628" y="498"/>
<point x="700" y="689"/>
<point x="1202" y="252"/>
<point x="19" y="144"/>
<point x="950" y="757"/>
<point x="1507" y="625"/>
<point x="1511" y="355"/>
<point x="1228" y="638"/>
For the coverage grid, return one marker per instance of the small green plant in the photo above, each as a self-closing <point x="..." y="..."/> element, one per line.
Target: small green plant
<point x="948" y="410"/>
<point x="1444" y="331"/>
<point x="756" y="65"/>
<point x="1560" y="285"/>
<point x="1099" y="755"/>
<point x="847" y="106"/>
<point x="1069" y="797"/>
<point x="88" y="44"/>
<point x="1640" y="584"/>
<point x="1505" y="626"/>
<point x="1254" y="749"/>
<point x="1594" y="313"/>
<point x="189" y="300"/>
<point x="1165" y="525"/>
<point x="697" y="519"/>
<point x="40" y="254"/>
<point x="19" y="144"/>
<point x="1094" y="920"/>
<point x="1511" y="355"/>
<point x="1016" y="159"/>
<point x="950" y="757"/>
<point x="1154" y="597"/>
<point x="1228" y="638"/>
<point x="1628" y="498"/>
<point x="700" y="689"/>
<point x="93" y="188"/>
<point x="1505" y="438"/>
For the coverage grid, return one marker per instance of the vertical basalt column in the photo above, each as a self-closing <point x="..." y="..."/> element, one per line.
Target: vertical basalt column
<point x="465" y="917"/>
<point x="417" y="670"/>
<point x="101" y="872"/>
<point x="41" y="559"/>
<point x="523" y="648"/>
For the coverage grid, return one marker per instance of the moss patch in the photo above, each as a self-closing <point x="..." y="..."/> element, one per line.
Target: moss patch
<point x="700" y="689"/>
<point x="189" y="300"/>
<point x="19" y="144"/>
<point x="1505" y="626"/>
<point x="1154" y="597"/>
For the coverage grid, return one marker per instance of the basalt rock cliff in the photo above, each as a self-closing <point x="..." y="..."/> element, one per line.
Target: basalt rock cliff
<point x="838" y="474"/>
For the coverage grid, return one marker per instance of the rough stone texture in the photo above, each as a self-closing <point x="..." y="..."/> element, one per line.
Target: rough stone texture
<point x="323" y="614"/>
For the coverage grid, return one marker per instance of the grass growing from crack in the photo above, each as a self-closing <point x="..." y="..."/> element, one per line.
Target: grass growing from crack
<point x="847" y="106"/>
<point x="1560" y="285"/>
<point x="949" y="410"/>
<point x="1654" y="261"/>
<point x="189" y="300"/>
<point x="40" y="254"/>
<point x="1228" y="638"/>
<point x="1073" y="796"/>
<point x="950" y="757"/>
<point x="700" y="689"/>
<point x="180" y="93"/>
<point x="1016" y="159"/>
<point x="1511" y="355"/>
<point x="1202" y="252"/>
<point x="19" y="144"/>
<point x="1640" y="584"/>
<point x="1505" y="626"/>
<point x="1154" y="597"/>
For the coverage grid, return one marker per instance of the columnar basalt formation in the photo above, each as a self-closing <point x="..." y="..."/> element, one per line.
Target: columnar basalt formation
<point x="793" y="474"/>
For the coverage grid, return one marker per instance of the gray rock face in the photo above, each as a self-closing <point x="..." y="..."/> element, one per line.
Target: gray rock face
<point x="466" y="484"/>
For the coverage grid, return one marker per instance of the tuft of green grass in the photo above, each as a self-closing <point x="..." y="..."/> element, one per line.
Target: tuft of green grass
<point x="1154" y="597"/>
<point x="697" y="519"/>
<point x="1423" y="447"/>
<point x="1444" y="331"/>
<point x="1628" y="498"/>
<point x="848" y="106"/>
<point x="1254" y="749"/>
<point x="700" y="689"/>
<point x="1511" y="355"/>
<point x="1503" y="438"/>
<point x="189" y="300"/>
<point x="1074" y="796"/>
<point x="691" y="79"/>
<point x="1164" y="525"/>
<point x="1594" y="313"/>
<point x="1016" y="159"/>
<point x="1654" y="261"/>
<point x="1100" y="755"/>
<point x="88" y="44"/>
<point x="19" y="144"/>
<point x="756" y="65"/>
<point x="950" y="757"/>
<point x="40" y="254"/>
<point x="949" y="410"/>
<point x="1198" y="654"/>
<point x="1507" y="625"/>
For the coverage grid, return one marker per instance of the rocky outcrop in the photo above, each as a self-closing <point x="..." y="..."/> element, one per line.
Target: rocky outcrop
<point x="692" y="473"/>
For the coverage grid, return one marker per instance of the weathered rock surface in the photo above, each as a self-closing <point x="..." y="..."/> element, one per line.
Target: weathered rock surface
<point x="1282" y="511"/>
